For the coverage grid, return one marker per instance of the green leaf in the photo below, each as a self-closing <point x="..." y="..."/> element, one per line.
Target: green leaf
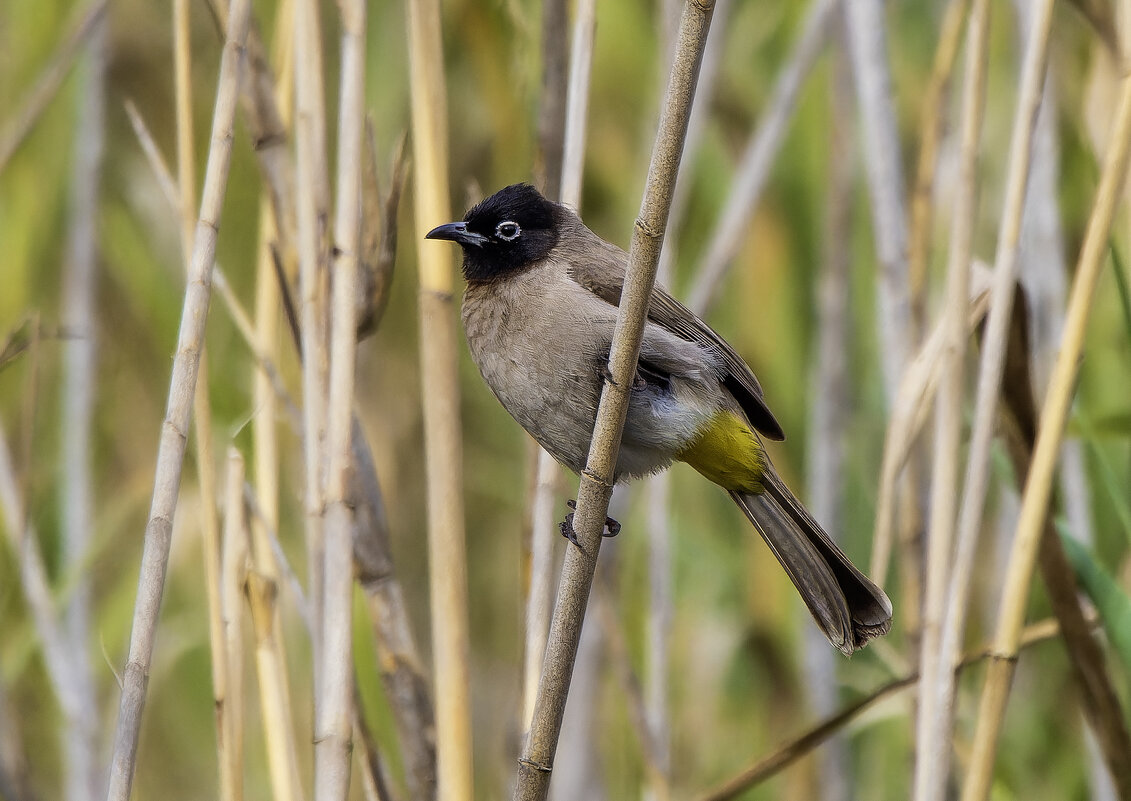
<point x="1113" y="604"/>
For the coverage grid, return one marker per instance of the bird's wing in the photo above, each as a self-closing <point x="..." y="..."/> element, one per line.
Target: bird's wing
<point x="605" y="279"/>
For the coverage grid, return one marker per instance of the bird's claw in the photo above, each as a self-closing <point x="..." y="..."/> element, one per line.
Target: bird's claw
<point x="612" y="527"/>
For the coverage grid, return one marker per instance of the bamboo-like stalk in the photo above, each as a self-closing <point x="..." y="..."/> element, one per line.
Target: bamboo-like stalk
<point x="1034" y="501"/>
<point x="185" y="204"/>
<point x="447" y="557"/>
<point x="758" y="159"/>
<point x="24" y="543"/>
<point x="311" y="212"/>
<point x="932" y="745"/>
<point x="939" y="721"/>
<point x="87" y="21"/>
<point x="334" y="717"/>
<point x="536" y="762"/>
<point x="171" y="451"/>
<point x="830" y="389"/>
<point x="552" y="99"/>
<point x="867" y="33"/>
<point x="233" y="579"/>
<point x="547" y="470"/>
<point x="83" y="780"/>
<point x="797" y="747"/>
<point x="270" y="646"/>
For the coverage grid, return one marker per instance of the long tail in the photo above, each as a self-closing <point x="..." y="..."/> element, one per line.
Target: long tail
<point x="848" y="607"/>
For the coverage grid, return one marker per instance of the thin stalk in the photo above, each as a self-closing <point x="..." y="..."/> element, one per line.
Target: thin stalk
<point x="86" y="23"/>
<point x="447" y="556"/>
<point x="311" y="209"/>
<point x="796" y="748"/>
<point x="552" y="98"/>
<point x="1038" y="485"/>
<point x="867" y="33"/>
<point x="270" y="646"/>
<point x="758" y="160"/>
<point x="233" y="579"/>
<point x="83" y="780"/>
<point x="992" y="364"/>
<point x="828" y="413"/>
<point x="174" y="434"/>
<point x="334" y="725"/>
<point x="536" y="762"/>
<point x="932" y="745"/>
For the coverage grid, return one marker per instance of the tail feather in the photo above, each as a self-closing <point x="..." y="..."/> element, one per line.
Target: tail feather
<point x="849" y="608"/>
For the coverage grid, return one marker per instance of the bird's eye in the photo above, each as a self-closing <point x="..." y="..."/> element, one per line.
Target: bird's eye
<point x="508" y="231"/>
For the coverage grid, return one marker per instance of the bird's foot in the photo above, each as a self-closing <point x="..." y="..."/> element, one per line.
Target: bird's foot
<point x="611" y="529"/>
<point x="606" y="373"/>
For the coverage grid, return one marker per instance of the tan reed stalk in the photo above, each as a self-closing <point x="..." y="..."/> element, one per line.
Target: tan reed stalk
<point x="932" y="744"/>
<point x="85" y="25"/>
<point x="1038" y="485"/>
<point x="796" y="748"/>
<point x="334" y="713"/>
<point x="185" y="204"/>
<point x="233" y="580"/>
<point x="1098" y="699"/>
<point x="758" y="159"/>
<point x="270" y="645"/>
<point x="941" y="720"/>
<point x="830" y="392"/>
<point x="536" y="762"/>
<point x="170" y="454"/>
<point x="867" y="38"/>
<point x="312" y="210"/>
<point x="917" y="388"/>
<point x="447" y="560"/>
<point x="35" y="585"/>
<point x="547" y="470"/>
<point x="552" y="98"/>
<point x="83" y="774"/>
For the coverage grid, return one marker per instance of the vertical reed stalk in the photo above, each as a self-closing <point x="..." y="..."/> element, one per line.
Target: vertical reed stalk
<point x="233" y="579"/>
<point x="932" y="762"/>
<point x="311" y="211"/>
<point x="447" y="562"/>
<point x="334" y="724"/>
<point x="83" y="774"/>
<point x="1038" y="485"/>
<point x="174" y="434"/>
<point x="536" y="762"/>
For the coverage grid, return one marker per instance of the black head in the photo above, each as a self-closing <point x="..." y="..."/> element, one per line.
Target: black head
<point x="506" y="233"/>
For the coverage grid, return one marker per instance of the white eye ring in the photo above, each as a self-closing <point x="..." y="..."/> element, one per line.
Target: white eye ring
<point x="507" y="230"/>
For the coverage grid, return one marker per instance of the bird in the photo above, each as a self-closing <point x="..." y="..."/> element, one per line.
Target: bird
<point x="539" y="308"/>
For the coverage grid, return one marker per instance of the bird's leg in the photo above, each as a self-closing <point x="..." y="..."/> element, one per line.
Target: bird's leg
<point x="606" y="372"/>
<point x="566" y="526"/>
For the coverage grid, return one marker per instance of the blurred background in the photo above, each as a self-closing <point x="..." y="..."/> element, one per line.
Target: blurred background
<point x="743" y="673"/>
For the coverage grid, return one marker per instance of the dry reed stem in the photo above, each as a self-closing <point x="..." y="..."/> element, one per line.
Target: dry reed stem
<point x="233" y="580"/>
<point x="24" y="543"/>
<point x="83" y="774"/>
<point x="183" y="201"/>
<point x="940" y="721"/>
<point x="826" y="442"/>
<point x="1099" y="700"/>
<point x="552" y="98"/>
<point x="867" y="34"/>
<point x="758" y="159"/>
<point x="932" y="744"/>
<point x="536" y="762"/>
<point x="917" y="389"/>
<point x="1038" y="485"/>
<point x="334" y="724"/>
<point x="43" y="91"/>
<point x="270" y="646"/>
<point x="311" y="211"/>
<point x="547" y="470"/>
<point x="447" y="557"/>
<point x="803" y="744"/>
<point x="170" y="455"/>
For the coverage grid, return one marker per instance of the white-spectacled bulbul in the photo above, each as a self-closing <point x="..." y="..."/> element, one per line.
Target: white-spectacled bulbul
<point x="539" y="310"/>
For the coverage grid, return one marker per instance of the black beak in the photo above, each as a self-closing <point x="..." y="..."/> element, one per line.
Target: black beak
<point x="457" y="232"/>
